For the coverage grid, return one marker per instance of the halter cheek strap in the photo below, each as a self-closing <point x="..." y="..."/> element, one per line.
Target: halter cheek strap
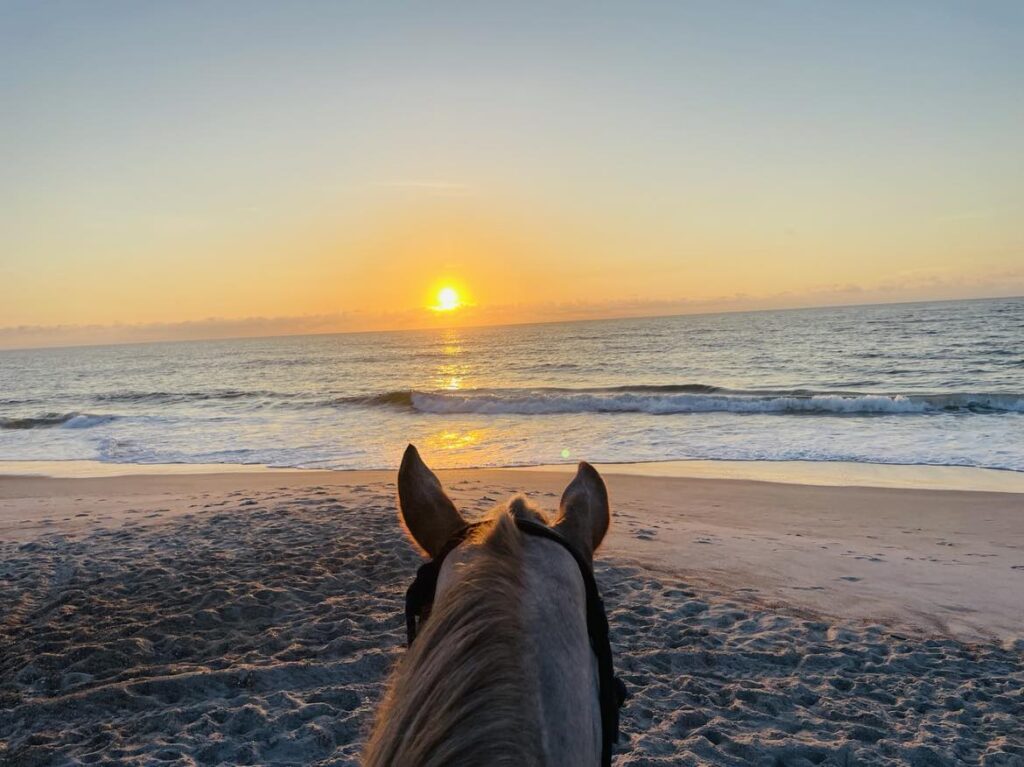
<point x="612" y="692"/>
<point x="419" y="597"/>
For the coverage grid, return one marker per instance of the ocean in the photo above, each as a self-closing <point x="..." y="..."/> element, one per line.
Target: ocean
<point x="927" y="383"/>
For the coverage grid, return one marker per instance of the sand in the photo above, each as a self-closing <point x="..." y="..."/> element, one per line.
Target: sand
<point x="252" y="618"/>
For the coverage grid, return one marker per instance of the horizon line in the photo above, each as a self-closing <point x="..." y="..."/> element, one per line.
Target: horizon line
<point x="464" y="327"/>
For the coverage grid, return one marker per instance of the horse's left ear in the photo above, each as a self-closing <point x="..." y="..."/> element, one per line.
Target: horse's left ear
<point x="427" y="511"/>
<point x="584" y="513"/>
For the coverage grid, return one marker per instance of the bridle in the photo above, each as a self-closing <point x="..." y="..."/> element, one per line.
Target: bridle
<point x="612" y="692"/>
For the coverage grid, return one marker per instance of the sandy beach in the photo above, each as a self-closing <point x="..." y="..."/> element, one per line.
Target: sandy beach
<point x="759" y="265"/>
<point x="251" y="618"/>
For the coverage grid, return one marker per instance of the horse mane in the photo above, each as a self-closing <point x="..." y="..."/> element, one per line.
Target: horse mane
<point x="460" y="695"/>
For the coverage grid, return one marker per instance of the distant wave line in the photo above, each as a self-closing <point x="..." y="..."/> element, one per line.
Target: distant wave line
<point x="671" y="399"/>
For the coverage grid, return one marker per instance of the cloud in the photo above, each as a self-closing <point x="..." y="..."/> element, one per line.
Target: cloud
<point x="27" y="336"/>
<point x="918" y="285"/>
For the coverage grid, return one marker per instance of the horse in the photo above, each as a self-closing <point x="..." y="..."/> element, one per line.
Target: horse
<point x="509" y="668"/>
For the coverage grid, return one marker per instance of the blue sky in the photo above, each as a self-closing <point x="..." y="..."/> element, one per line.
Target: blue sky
<point x="168" y="162"/>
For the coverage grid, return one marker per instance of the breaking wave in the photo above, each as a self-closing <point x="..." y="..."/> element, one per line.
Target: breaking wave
<point x="690" y="398"/>
<point x="51" y="420"/>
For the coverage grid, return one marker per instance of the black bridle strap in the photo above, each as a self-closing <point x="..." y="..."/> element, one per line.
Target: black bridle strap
<point x="419" y="597"/>
<point x="611" y="693"/>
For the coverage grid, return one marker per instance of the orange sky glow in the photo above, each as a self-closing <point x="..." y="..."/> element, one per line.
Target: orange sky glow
<point x="334" y="170"/>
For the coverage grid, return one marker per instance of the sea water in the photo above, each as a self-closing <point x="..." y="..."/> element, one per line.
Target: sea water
<point x="929" y="383"/>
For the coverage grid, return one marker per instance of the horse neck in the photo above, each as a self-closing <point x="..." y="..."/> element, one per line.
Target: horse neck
<point x="502" y="672"/>
<point x="554" y="615"/>
<point x="463" y="693"/>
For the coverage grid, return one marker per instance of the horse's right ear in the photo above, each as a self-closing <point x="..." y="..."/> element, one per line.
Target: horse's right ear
<point x="429" y="515"/>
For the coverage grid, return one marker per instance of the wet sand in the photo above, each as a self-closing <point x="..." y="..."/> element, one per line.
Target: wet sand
<point x="252" y="618"/>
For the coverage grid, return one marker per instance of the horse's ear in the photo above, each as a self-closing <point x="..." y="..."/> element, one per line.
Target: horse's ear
<point x="584" y="513"/>
<point x="429" y="515"/>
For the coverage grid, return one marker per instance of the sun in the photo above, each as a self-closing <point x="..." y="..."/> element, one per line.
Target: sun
<point x="447" y="300"/>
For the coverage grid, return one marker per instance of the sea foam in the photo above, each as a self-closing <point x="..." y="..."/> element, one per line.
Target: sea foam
<point x="673" y="400"/>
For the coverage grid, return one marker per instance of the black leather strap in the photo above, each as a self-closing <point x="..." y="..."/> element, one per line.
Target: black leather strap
<point x="419" y="597"/>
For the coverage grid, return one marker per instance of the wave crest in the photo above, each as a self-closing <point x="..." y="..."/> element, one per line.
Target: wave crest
<point x="72" y="420"/>
<point x="668" y="400"/>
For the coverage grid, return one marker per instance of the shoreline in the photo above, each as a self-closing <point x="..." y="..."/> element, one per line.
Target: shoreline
<point x="813" y="473"/>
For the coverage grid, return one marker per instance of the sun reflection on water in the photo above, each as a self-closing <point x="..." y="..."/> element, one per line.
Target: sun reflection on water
<point x="450" y="373"/>
<point x="453" y="439"/>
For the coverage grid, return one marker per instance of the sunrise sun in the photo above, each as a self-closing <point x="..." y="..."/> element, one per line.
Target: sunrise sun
<point x="447" y="300"/>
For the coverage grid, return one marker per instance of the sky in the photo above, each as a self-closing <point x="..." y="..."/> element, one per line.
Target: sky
<point x="185" y="169"/>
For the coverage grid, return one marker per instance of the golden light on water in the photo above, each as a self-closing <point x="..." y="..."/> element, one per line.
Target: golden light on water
<point x="453" y="439"/>
<point x="453" y="368"/>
